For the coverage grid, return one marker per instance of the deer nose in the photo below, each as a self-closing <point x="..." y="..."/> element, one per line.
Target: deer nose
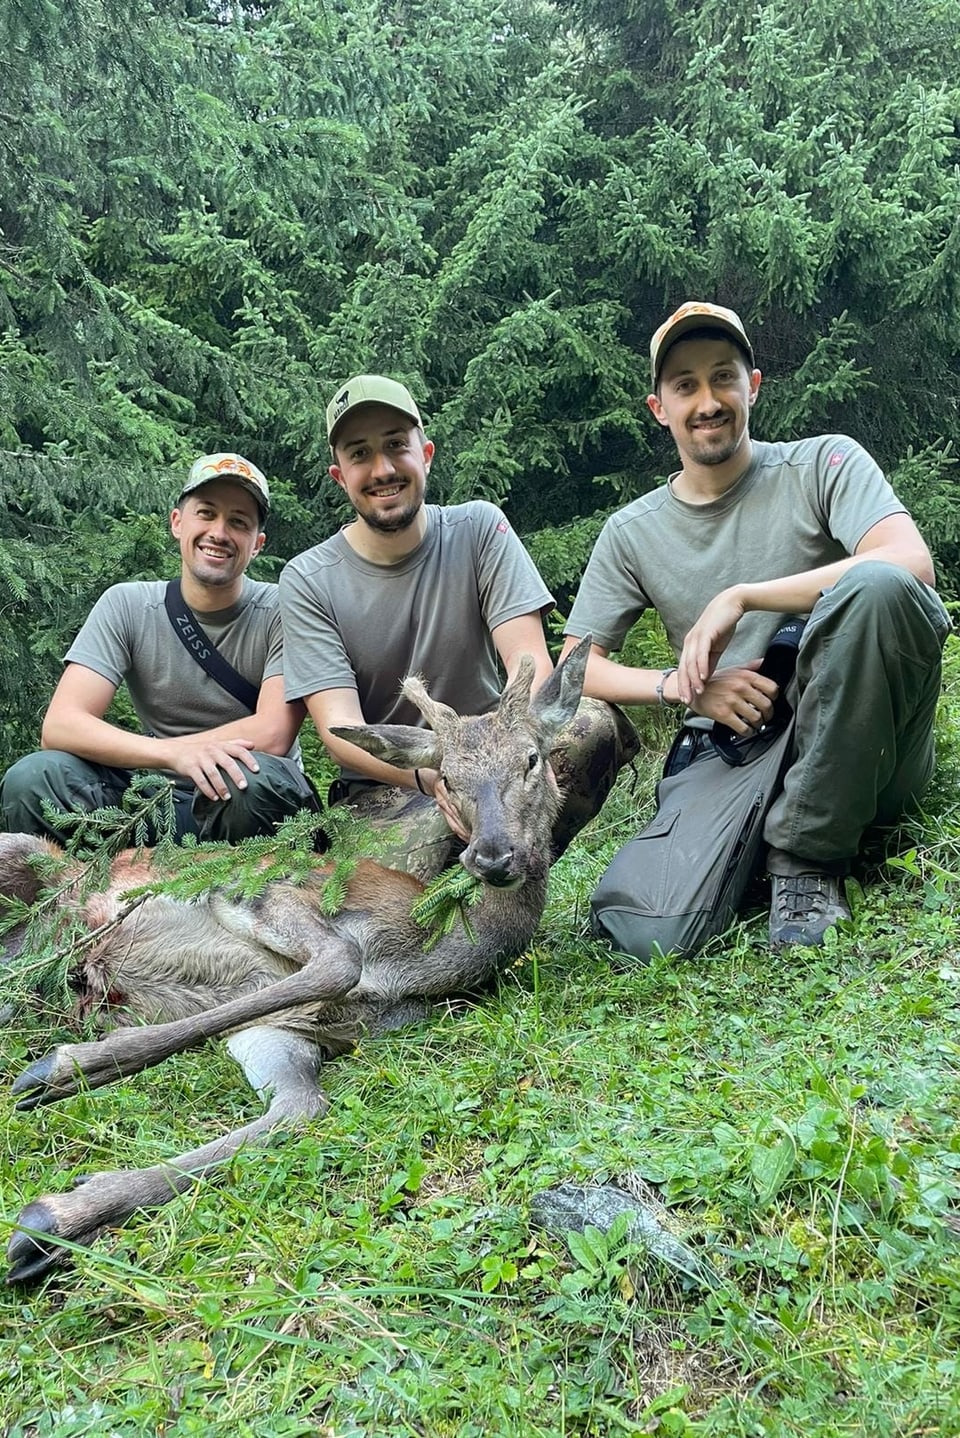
<point x="494" y="866"/>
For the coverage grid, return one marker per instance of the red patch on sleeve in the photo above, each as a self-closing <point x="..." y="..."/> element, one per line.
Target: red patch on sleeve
<point x="502" y="527"/>
<point x="838" y="456"/>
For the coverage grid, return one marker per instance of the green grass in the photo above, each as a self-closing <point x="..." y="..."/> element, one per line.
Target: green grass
<point x="377" y="1273"/>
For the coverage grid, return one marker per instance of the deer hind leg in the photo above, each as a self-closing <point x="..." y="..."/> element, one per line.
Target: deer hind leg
<point x="65" y="1070"/>
<point x="276" y="1062"/>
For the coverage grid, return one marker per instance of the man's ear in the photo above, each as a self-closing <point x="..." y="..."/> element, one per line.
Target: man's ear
<point x="429" y="450"/>
<point x="755" y="378"/>
<point x="334" y="472"/>
<point x="656" y="409"/>
<point x="175" y="518"/>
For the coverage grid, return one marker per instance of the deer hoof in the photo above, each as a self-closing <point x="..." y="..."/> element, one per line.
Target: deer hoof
<point x="43" y="1082"/>
<point x="30" y="1258"/>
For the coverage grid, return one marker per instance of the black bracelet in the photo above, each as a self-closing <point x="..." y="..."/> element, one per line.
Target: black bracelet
<point x="416" y="775"/>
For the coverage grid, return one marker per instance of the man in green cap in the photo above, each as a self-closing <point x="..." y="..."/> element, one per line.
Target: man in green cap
<point x="447" y="592"/>
<point x="202" y="659"/>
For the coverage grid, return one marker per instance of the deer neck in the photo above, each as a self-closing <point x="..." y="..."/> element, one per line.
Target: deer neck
<point x="505" y="920"/>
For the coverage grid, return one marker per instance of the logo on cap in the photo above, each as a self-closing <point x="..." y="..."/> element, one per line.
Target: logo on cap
<point x="229" y="466"/>
<point x="233" y="464"/>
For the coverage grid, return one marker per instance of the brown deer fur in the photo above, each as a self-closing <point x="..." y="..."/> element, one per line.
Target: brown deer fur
<point x="288" y="984"/>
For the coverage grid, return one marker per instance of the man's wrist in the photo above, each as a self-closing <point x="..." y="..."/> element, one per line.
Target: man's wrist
<point x="167" y="753"/>
<point x="668" y="698"/>
<point x="740" y="595"/>
<point x="425" y="780"/>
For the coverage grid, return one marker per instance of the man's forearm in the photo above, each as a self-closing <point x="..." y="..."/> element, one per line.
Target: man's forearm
<point x="103" y="743"/>
<point x="798" y="593"/>
<point x="620" y="684"/>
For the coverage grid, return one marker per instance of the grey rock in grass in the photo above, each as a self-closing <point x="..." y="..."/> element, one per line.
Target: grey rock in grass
<point x="571" y="1207"/>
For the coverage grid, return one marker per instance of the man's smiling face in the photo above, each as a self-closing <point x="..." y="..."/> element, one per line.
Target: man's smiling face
<point x="382" y="463"/>
<point x="704" y="397"/>
<point x="219" y="532"/>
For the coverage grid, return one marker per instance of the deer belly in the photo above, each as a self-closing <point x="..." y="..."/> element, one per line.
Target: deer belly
<point x="169" y="960"/>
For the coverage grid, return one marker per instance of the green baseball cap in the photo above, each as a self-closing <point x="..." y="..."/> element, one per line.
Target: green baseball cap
<point x="229" y="466"/>
<point x="369" y="389"/>
<point x="695" y="315"/>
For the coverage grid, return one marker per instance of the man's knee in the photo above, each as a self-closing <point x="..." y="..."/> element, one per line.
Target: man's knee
<point x="277" y="790"/>
<point x="890" y="591"/>
<point x="876" y="618"/>
<point x="23" y="777"/>
<point x="29" y="778"/>
<point x="52" y="775"/>
<point x="285" y="781"/>
<point x="879" y="578"/>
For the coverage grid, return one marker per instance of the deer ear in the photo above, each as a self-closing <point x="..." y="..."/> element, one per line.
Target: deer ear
<point x="555" y="702"/>
<point x="402" y="744"/>
<point x="514" y="704"/>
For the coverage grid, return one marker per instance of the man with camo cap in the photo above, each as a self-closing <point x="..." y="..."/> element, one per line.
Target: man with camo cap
<point x="233" y="761"/>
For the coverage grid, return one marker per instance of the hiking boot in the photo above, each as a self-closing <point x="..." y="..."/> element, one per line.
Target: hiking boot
<point x="804" y="906"/>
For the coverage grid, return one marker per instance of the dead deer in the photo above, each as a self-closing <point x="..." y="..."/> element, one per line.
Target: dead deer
<point x="215" y="966"/>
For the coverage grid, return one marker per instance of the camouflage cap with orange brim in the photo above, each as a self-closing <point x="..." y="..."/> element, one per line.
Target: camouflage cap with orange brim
<point x="369" y="389"/>
<point x="229" y="466"/>
<point x="695" y="315"/>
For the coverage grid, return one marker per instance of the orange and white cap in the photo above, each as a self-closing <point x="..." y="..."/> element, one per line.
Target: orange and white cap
<point x="229" y="466"/>
<point x="695" y="315"/>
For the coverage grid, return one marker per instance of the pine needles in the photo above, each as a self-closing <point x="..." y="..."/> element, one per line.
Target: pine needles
<point x="445" y="901"/>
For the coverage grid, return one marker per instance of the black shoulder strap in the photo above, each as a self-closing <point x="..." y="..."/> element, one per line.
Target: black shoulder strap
<point x="200" y="647"/>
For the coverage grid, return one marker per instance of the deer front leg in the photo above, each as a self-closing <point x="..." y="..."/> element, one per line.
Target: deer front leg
<point x="68" y="1068"/>
<point x="284" y="1064"/>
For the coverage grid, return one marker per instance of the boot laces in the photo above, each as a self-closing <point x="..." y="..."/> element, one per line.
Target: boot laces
<point x="806" y="896"/>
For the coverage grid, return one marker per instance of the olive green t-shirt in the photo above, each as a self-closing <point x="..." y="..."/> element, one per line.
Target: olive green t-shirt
<point x="127" y="637"/>
<point x="799" y="505"/>
<point x="352" y="624"/>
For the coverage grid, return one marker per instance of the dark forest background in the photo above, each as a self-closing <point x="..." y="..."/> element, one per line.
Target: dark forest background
<point x="211" y="214"/>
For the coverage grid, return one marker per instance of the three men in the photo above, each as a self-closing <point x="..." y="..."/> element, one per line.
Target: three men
<point x="410" y="587"/>
<point x="234" y="761"/>
<point x="743" y="536"/>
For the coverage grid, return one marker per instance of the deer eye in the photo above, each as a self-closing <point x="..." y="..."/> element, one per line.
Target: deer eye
<point x="533" y="759"/>
<point x="445" y="781"/>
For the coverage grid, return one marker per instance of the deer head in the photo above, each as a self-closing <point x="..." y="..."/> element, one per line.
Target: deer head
<point x="495" y="766"/>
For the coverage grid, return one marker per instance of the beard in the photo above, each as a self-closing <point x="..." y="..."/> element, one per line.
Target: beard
<point x="709" y="457"/>
<point x="396" y="522"/>
<point x="702" y="452"/>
